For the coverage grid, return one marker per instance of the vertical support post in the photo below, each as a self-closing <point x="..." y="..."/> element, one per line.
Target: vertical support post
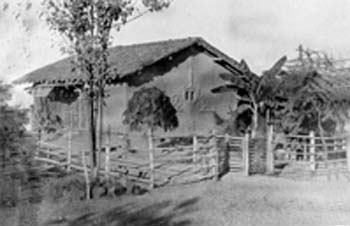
<point x="312" y="151"/>
<point x="39" y="142"/>
<point x="126" y="145"/>
<point x="347" y="139"/>
<point x="151" y="158"/>
<point x="107" y="153"/>
<point x="305" y="156"/>
<point x="327" y="165"/>
<point x="86" y="175"/>
<point x="195" y="148"/>
<point x="270" y="165"/>
<point x="227" y="138"/>
<point x="246" y="154"/>
<point x="69" y="151"/>
<point x="48" y="153"/>
<point x="213" y="163"/>
<point x="227" y="153"/>
<point x="217" y="158"/>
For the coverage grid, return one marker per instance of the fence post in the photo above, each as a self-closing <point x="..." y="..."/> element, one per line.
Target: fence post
<point x="39" y="143"/>
<point x="347" y="139"/>
<point x="246" y="154"/>
<point x="270" y="165"/>
<point x="107" y="153"/>
<point x="86" y="175"/>
<point x="328" y="168"/>
<point x="195" y="148"/>
<point x="312" y="151"/>
<point x="151" y="158"/>
<point x="226" y="167"/>
<point x="214" y="156"/>
<point x="217" y="157"/>
<point x="69" y="154"/>
<point x="126" y="145"/>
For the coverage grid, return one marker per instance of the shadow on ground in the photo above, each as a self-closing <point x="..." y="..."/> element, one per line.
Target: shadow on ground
<point x="166" y="213"/>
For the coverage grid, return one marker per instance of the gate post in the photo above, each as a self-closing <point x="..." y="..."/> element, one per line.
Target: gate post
<point x="246" y="154"/>
<point x="312" y="151"/>
<point x="270" y="165"/>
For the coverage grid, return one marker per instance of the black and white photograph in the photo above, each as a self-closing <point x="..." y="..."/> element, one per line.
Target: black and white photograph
<point x="174" y="112"/>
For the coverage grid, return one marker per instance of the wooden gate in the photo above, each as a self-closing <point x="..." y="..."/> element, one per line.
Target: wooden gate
<point x="237" y="156"/>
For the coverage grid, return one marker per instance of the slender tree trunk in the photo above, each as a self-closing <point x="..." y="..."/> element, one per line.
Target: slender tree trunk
<point x="92" y="107"/>
<point x="92" y="140"/>
<point x="100" y="129"/>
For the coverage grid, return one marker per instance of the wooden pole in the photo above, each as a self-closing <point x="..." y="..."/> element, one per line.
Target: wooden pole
<point x="270" y="165"/>
<point x="69" y="154"/>
<point x="246" y="154"/>
<point x="151" y="158"/>
<point x="312" y="151"/>
<point x="305" y="157"/>
<point x="126" y="145"/>
<point x="39" y="142"/>
<point x="195" y="148"/>
<point x="217" y="157"/>
<point x="86" y="174"/>
<point x="227" y="153"/>
<point x="107" y="153"/>
<point x="327" y="165"/>
<point x="69" y="151"/>
<point x="213" y="163"/>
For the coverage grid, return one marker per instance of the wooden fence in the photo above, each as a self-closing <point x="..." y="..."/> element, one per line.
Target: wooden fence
<point x="167" y="160"/>
<point x="318" y="153"/>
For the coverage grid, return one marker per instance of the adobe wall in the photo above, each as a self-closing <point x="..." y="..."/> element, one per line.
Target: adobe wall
<point x="198" y="74"/>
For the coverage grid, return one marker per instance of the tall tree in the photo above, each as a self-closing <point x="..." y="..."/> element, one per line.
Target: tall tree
<point x="87" y="26"/>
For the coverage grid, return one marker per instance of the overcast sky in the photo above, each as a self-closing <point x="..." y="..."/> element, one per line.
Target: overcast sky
<point x="260" y="31"/>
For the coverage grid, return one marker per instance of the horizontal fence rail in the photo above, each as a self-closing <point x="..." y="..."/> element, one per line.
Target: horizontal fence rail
<point x="151" y="161"/>
<point x="320" y="155"/>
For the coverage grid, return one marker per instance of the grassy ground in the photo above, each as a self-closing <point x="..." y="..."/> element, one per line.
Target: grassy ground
<point x="235" y="200"/>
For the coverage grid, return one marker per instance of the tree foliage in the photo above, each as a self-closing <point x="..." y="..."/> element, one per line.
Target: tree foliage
<point x="255" y="94"/>
<point x="311" y="101"/>
<point x="150" y="108"/>
<point x="295" y="101"/>
<point x="87" y="26"/>
<point x="12" y="124"/>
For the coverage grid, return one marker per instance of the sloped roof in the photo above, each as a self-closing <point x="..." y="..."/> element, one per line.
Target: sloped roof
<point x="131" y="60"/>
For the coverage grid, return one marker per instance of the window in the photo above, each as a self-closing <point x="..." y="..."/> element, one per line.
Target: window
<point x="189" y="94"/>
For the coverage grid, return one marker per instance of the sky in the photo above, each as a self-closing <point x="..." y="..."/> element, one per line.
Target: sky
<point x="259" y="31"/>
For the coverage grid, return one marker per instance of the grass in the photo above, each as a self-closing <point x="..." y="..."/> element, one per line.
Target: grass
<point x="235" y="200"/>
